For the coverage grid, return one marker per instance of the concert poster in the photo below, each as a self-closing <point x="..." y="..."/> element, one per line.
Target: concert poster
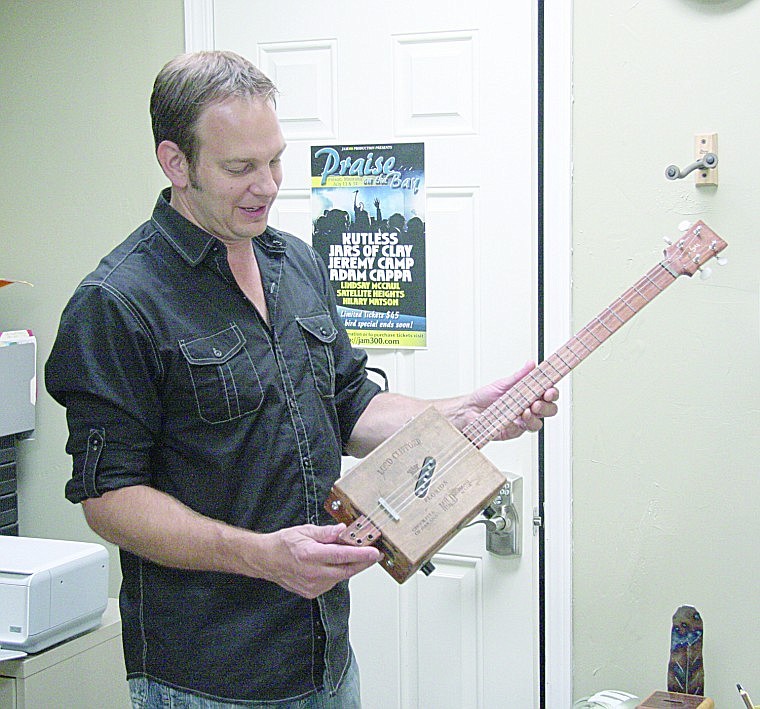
<point x="368" y="224"/>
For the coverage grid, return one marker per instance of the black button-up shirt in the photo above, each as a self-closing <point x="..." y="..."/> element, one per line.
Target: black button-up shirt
<point x="171" y="379"/>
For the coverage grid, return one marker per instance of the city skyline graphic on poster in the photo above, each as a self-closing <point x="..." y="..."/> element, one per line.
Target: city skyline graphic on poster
<point x="368" y="225"/>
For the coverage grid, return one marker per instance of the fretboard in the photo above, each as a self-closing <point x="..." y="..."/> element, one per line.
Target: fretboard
<point x="535" y="384"/>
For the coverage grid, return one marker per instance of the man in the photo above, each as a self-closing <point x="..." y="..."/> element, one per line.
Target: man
<point x="210" y="391"/>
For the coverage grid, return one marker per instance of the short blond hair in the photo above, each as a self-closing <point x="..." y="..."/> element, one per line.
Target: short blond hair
<point x="188" y="84"/>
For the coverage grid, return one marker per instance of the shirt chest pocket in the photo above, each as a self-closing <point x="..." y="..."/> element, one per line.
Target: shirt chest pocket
<point x="318" y="332"/>
<point x="224" y="379"/>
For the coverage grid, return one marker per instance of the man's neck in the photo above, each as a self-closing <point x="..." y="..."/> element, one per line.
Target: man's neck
<point x="245" y="269"/>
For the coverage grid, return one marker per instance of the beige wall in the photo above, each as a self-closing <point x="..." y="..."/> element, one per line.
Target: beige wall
<point x="78" y="174"/>
<point x="666" y="416"/>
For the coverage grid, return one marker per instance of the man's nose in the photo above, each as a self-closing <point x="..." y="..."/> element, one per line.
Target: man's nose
<point x="264" y="183"/>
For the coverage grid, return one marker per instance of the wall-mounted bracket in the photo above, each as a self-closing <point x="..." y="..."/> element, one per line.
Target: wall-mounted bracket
<point x="706" y="162"/>
<point x="706" y="144"/>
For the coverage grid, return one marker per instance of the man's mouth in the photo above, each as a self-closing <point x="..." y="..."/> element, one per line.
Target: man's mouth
<point x="254" y="211"/>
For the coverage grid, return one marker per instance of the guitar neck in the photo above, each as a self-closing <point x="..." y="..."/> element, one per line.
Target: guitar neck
<point x="548" y="373"/>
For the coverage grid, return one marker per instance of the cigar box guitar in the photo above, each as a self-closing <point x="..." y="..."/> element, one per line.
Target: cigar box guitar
<point x="416" y="490"/>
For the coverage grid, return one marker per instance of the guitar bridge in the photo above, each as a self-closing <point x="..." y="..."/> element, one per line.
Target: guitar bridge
<point x="387" y="507"/>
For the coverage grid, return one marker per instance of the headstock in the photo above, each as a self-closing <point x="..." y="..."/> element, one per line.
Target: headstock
<point x="692" y="250"/>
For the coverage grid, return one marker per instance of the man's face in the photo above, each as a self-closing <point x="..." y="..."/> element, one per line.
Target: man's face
<point x="238" y="169"/>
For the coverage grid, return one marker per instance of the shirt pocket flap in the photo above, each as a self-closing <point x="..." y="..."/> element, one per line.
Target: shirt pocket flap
<point x="214" y="349"/>
<point x="320" y="326"/>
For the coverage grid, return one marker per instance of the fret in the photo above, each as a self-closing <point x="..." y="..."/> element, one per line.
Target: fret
<point x="390" y="485"/>
<point x="609" y="321"/>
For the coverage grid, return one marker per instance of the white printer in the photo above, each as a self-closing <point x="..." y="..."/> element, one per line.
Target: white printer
<point x="50" y="590"/>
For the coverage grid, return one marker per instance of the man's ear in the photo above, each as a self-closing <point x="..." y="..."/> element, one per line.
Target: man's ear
<point x="174" y="163"/>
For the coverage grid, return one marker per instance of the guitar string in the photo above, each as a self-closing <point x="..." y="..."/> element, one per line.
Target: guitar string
<point x="661" y="269"/>
<point x="399" y="504"/>
<point x="522" y="390"/>
<point x="403" y="496"/>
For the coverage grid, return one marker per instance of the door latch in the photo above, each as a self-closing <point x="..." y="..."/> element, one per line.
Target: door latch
<point x="502" y="519"/>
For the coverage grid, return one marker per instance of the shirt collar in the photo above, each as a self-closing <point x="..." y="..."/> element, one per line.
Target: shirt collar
<point x="193" y="243"/>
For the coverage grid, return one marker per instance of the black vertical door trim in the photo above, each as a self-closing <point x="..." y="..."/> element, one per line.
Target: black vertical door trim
<point x="540" y="348"/>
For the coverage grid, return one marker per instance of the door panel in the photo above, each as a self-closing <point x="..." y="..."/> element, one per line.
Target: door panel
<point x="460" y="78"/>
<point x="452" y="316"/>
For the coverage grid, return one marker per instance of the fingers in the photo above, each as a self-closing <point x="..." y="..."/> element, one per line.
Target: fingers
<point x="336" y="555"/>
<point x="544" y="408"/>
<point x="330" y="550"/>
<point x="551" y="395"/>
<point x="329" y="534"/>
<point x="530" y="421"/>
<point x="505" y="384"/>
<point x="508" y="382"/>
<point x="532" y="418"/>
<point x="310" y="561"/>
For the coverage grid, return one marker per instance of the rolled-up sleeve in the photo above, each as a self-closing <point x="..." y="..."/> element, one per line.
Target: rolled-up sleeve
<point x="102" y="368"/>
<point x="109" y="449"/>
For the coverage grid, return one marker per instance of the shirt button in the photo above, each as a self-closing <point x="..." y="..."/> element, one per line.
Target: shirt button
<point x="217" y="352"/>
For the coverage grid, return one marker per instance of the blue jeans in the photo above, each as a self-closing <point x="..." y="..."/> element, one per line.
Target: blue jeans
<point x="149" y="694"/>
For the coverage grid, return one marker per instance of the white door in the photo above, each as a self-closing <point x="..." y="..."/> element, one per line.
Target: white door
<point x="461" y="78"/>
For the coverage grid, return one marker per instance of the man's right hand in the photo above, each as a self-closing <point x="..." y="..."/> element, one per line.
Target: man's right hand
<point x="309" y="560"/>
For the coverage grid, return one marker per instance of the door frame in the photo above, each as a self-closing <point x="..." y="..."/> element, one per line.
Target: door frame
<point x="555" y="111"/>
<point x="555" y="179"/>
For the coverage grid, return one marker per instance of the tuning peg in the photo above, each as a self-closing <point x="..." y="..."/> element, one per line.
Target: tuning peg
<point x="705" y="272"/>
<point x="721" y="260"/>
<point x="668" y="241"/>
<point x="685" y="225"/>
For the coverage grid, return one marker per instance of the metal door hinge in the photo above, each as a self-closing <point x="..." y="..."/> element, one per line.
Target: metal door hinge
<point x="538" y="520"/>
